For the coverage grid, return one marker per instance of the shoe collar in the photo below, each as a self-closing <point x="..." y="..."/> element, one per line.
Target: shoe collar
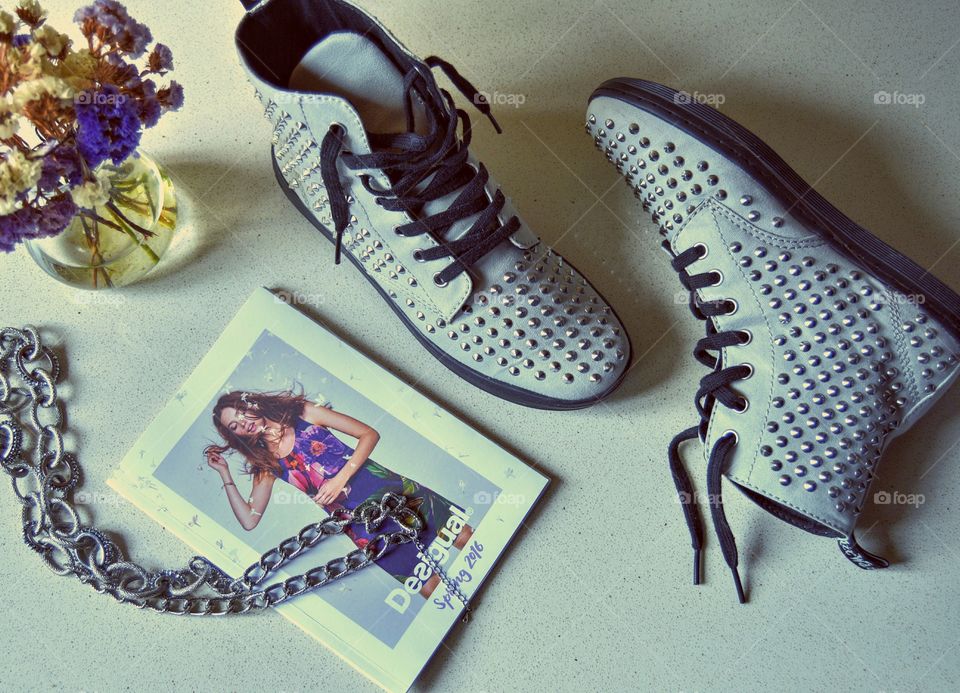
<point x="301" y="24"/>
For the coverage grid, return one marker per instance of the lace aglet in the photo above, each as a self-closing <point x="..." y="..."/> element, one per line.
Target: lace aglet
<point x="696" y="566"/>
<point x="496" y="125"/>
<point x="736" y="581"/>
<point x="339" y="244"/>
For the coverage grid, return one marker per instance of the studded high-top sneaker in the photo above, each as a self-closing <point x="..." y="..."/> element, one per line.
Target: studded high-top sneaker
<point x="823" y="343"/>
<point x="375" y="154"/>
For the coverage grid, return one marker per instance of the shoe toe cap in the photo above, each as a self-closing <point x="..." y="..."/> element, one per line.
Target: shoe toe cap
<point x="548" y="338"/>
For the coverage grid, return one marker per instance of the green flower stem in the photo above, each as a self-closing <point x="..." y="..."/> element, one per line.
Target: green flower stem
<point x="130" y="203"/>
<point x="126" y="220"/>
<point x="93" y="239"/>
<point x="123" y="224"/>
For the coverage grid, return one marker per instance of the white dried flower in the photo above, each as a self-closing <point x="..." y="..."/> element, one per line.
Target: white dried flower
<point x="8" y="23"/>
<point x="9" y="125"/>
<point x="92" y="193"/>
<point x="32" y="66"/>
<point x="9" y="121"/>
<point x="17" y="174"/>
<point x="31" y="12"/>
<point x="53" y="41"/>
<point x="37" y="88"/>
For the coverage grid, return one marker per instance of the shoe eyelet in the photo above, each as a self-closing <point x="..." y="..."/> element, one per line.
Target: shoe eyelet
<point x="747" y="337"/>
<point x="418" y="255"/>
<point x="338" y="126"/>
<point x="719" y="276"/>
<point x="744" y="405"/>
<point x="396" y="231"/>
<point x="735" y="306"/>
<point x="750" y="374"/>
<point x="704" y="250"/>
<point x="731" y="432"/>
<point x="366" y="180"/>
<point x="438" y="281"/>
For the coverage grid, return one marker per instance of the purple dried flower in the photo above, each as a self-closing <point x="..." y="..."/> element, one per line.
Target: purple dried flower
<point x="61" y="164"/>
<point x="56" y="215"/>
<point x="8" y="235"/>
<point x="171" y="96"/>
<point x="111" y="19"/>
<point x="108" y="125"/>
<point x="122" y="73"/>
<point x="150" y="111"/>
<point x="160" y="59"/>
<point x="29" y="222"/>
<point x="16" y="227"/>
<point x="148" y="104"/>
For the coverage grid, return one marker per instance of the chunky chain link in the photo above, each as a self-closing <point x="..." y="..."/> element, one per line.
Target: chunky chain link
<point x="52" y="528"/>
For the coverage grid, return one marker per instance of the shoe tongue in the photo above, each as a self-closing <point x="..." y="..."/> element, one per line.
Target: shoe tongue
<point x="353" y="67"/>
<point x="425" y="113"/>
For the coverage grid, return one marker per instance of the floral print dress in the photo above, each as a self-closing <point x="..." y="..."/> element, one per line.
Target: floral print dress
<point x="318" y="455"/>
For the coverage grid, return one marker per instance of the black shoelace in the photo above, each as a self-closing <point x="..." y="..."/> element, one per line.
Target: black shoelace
<point x="409" y="159"/>
<point x="714" y="387"/>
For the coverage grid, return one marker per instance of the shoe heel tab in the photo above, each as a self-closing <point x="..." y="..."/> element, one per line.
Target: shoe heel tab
<point x="859" y="556"/>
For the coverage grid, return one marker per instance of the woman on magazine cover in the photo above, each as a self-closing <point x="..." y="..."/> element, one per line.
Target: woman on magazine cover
<point x="284" y="436"/>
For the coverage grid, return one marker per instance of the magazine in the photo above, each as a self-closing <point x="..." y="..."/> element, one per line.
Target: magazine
<point x="283" y="424"/>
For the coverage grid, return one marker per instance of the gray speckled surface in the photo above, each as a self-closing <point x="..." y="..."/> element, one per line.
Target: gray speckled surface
<point x="593" y="596"/>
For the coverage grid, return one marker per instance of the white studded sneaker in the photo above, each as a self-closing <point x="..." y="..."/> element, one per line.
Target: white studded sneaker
<point x="824" y="343"/>
<point x="368" y="148"/>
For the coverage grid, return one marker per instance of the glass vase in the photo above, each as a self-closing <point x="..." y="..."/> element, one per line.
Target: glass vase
<point x="124" y="239"/>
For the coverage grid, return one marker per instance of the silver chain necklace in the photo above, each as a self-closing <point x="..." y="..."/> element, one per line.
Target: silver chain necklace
<point x="52" y="528"/>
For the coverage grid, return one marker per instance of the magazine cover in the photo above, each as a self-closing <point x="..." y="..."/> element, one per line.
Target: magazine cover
<point x="282" y="424"/>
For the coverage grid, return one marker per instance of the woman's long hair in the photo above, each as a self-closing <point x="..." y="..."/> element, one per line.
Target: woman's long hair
<point x="284" y="407"/>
